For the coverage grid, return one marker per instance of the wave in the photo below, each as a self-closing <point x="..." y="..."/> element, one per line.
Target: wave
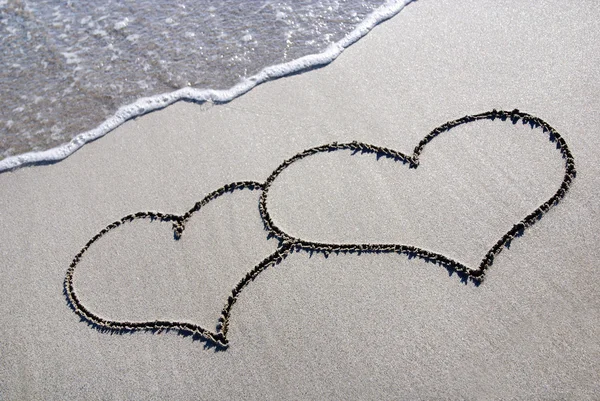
<point x="148" y="104"/>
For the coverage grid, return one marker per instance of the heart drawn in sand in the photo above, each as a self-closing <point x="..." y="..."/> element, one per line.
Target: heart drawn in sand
<point x="289" y="243"/>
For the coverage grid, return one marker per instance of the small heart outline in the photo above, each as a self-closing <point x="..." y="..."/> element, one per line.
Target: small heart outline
<point x="289" y="244"/>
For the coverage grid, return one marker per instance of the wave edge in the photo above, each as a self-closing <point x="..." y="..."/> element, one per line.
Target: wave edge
<point x="146" y="105"/>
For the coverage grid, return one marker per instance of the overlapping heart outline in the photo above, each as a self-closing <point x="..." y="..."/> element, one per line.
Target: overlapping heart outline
<point x="289" y="244"/>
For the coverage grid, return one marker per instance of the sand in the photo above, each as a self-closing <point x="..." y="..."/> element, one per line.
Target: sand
<point x="344" y="326"/>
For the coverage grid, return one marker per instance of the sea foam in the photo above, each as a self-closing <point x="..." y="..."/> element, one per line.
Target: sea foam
<point x="148" y="104"/>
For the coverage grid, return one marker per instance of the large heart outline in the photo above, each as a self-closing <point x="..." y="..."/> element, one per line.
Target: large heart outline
<point x="289" y="244"/>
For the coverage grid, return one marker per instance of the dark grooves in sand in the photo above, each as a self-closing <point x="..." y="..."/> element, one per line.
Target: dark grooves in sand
<point x="288" y="243"/>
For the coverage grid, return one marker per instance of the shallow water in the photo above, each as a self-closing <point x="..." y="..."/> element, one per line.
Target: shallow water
<point x="66" y="66"/>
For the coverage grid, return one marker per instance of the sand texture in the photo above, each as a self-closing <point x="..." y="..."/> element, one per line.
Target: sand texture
<point x="340" y="325"/>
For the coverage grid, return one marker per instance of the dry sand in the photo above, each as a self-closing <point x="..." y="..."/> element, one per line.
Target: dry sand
<point x="346" y="326"/>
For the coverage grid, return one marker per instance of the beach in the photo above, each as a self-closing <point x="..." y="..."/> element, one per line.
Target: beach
<point x="330" y="325"/>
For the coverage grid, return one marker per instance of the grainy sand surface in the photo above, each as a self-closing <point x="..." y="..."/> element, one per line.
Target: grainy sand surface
<point x="345" y="326"/>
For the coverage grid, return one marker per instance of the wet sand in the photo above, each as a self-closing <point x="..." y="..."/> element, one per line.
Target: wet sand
<point x="347" y="325"/>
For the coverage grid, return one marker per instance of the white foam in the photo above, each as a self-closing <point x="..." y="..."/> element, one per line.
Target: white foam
<point x="148" y="104"/>
<point x="121" y="24"/>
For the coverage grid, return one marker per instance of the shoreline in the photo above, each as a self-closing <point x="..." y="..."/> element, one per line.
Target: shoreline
<point x="150" y="104"/>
